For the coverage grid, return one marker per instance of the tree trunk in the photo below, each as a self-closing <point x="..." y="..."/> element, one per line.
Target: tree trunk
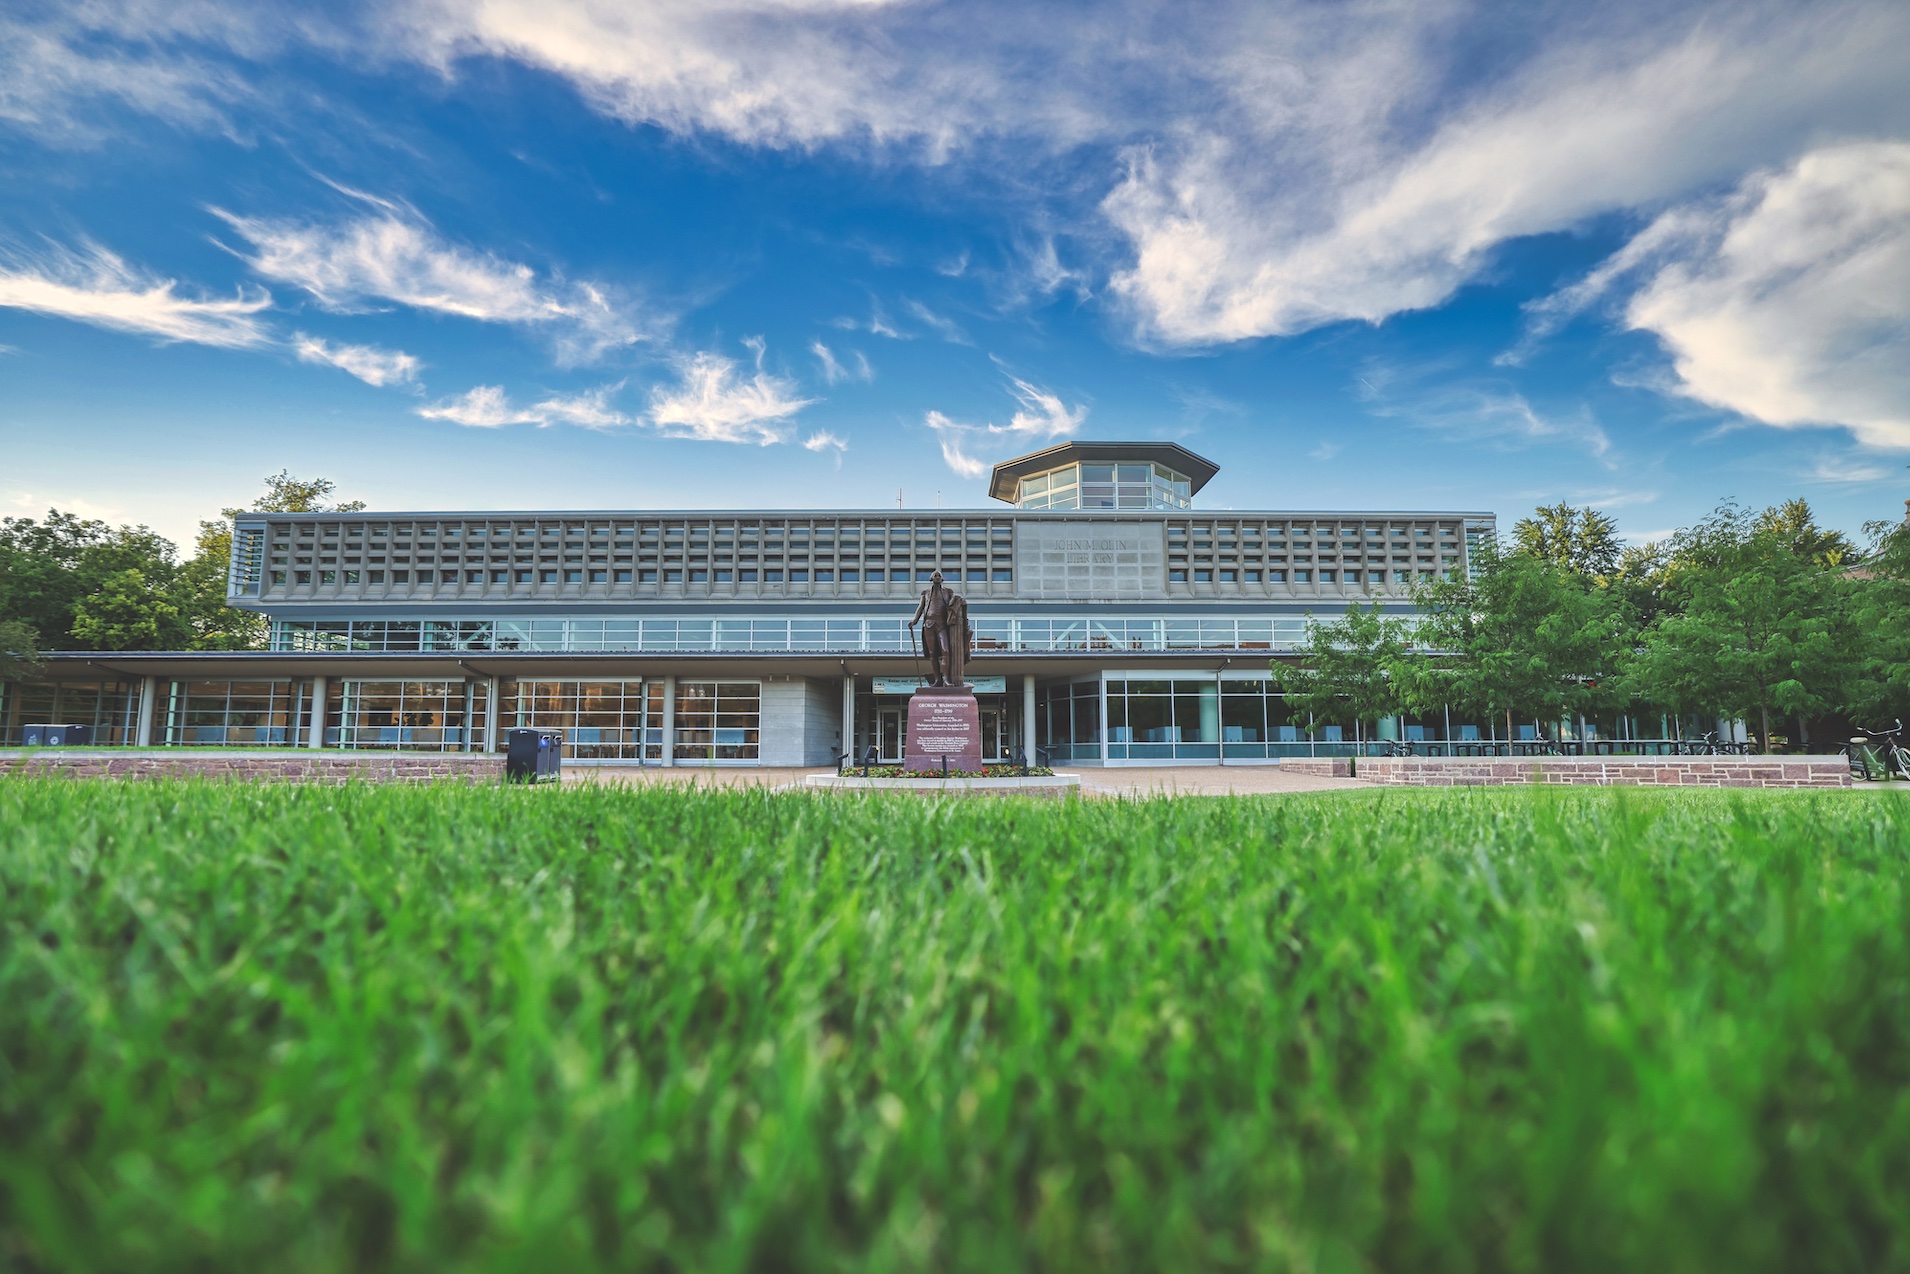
<point x="1764" y="744"/>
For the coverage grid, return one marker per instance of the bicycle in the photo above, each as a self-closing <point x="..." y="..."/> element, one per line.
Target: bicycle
<point x="1712" y="745"/>
<point x="1877" y="753"/>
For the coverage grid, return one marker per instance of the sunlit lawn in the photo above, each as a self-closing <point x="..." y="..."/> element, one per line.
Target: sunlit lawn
<point x="289" y="1028"/>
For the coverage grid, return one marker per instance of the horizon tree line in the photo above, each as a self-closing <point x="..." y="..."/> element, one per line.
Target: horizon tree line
<point x="1754" y="615"/>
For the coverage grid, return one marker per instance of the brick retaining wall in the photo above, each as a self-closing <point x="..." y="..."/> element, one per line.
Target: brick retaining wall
<point x="1607" y="771"/>
<point x="1326" y="767"/>
<point x="288" y="766"/>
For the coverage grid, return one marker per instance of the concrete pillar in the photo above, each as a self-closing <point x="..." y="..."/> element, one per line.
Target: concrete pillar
<point x="148" y="696"/>
<point x="669" y="721"/>
<point x="1102" y="685"/>
<point x="315" y="735"/>
<point x="1028" y="717"/>
<point x="494" y="705"/>
<point x="849" y="716"/>
<point x="1220" y="718"/>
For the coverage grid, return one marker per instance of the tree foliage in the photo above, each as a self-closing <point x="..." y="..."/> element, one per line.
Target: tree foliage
<point x="1522" y="638"/>
<point x="19" y="651"/>
<point x="1346" y="668"/>
<point x="81" y="584"/>
<point x="128" y="612"/>
<point x="48" y="568"/>
<point x="1582" y="541"/>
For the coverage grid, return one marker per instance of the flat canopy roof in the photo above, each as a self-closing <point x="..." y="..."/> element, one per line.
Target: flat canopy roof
<point x="1171" y="454"/>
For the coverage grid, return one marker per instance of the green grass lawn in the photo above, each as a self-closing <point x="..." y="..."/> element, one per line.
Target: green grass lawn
<point x="290" y="1028"/>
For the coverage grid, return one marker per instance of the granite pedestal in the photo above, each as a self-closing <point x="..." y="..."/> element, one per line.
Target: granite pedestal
<point x="945" y="723"/>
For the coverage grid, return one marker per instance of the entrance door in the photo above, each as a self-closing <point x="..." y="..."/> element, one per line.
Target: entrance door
<point x="888" y="735"/>
<point x="994" y="736"/>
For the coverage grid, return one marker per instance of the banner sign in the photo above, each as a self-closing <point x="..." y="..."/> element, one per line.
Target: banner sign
<point x="909" y="685"/>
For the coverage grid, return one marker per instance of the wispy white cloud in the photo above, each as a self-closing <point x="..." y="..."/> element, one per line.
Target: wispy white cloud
<point x="394" y="255"/>
<point x="1325" y="451"/>
<point x="824" y="440"/>
<point x="762" y="71"/>
<point x="1843" y="469"/>
<point x="715" y="400"/>
<point x="834" y="370"/>
<point x="1490" y="412"/>
<point x="946" y="328"/>
<point x="60" y="82"/>
<point x="488" y="407"/>
<point x="374" y="366"/>
<point x="1041" y="413"/>
<point x="953" y="437"/>
<point x="94" y="286"/>
<point x="1608" y="498"/>
<point x="877" y="324"/>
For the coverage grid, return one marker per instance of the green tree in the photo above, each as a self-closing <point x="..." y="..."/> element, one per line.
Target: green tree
<point x="1583" y="541"/>
<point x="201" y="590"/>
<point x="1793" y="525"/>
<point x="1346" y="668"/>
<point x="19" y="651"/>
<point x="1882" y="615"/>
<point x="1641" y="582"/>
<point x="1524" y="639"/>
<point x="1763" y="623"/>
<point x="48" y="567"/>
<point x="127" y="613"/>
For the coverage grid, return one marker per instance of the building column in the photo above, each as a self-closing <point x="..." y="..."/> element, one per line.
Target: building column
<point x="1101" y="684"/>
<point x="1028" y="718"/>
<point x="669" y="721"/>
<point x="849" y="716"/>
<point x="470" y="742"/>
<point x="148" y="695"/>
<point x="315" y="733"/>
<point x="1220" y="718"/>
<point x="494" y="706"/>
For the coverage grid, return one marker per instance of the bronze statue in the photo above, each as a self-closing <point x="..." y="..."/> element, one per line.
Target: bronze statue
<point x="947" y="638"/>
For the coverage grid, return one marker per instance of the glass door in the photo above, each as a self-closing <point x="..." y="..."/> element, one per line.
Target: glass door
<point x="888" y="735"/>
<point x="994" y="736"/>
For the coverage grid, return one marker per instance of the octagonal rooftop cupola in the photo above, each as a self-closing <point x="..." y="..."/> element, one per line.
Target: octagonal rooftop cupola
<point x="1103" y="475"/>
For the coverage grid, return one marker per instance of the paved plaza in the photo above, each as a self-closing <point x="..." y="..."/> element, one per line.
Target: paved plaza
<point x="1136" y="782"/>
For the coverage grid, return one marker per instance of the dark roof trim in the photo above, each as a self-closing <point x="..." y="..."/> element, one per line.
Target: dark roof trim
<point x="1199" y="469"/>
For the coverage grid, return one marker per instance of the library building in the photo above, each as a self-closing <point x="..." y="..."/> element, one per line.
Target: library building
<point x="1115" y="623"/>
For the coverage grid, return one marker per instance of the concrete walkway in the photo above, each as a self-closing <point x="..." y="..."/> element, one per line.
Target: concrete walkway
<point x="1115" y="782"/>
<point x="1206" y="780"/>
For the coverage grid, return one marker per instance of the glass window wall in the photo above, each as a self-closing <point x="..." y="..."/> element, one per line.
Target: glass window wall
<point x="718" y="721"/>
<point x="886" y="633"/>
<point x="600" y="720"/>
<point x="429" y="716"/>
<point x="111" y="708"/>
<point x="234" y="714"/>
<point x="1105" y="486"/>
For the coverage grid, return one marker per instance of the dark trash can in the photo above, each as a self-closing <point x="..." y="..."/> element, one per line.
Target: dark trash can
<point x="56" y="736"/>
<point x="533" y="756"/>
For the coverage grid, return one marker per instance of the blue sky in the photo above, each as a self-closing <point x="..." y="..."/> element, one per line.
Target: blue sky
<point x="574" y="253"/>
